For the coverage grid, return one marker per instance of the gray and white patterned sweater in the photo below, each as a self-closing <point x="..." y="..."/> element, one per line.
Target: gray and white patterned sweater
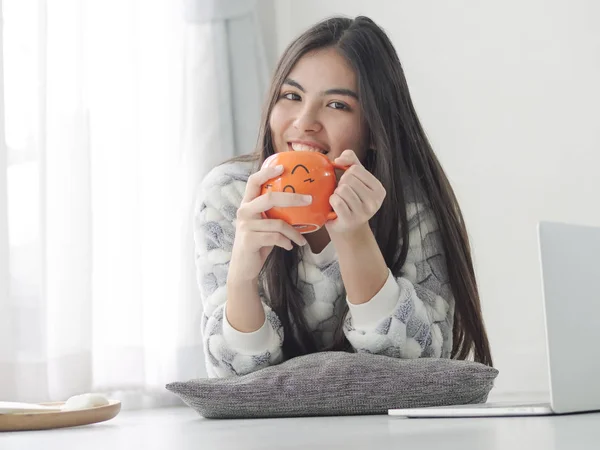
<point x="411" y="317"/>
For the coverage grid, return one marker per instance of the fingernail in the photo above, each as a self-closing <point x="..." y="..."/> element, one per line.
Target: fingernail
<point x="279" y="168"/>
<point x="307" y="198"/>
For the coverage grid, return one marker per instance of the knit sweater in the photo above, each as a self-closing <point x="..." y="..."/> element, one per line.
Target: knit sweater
<point x="410" y="317"/>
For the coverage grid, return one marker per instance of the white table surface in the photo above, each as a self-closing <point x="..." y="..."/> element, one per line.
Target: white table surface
<point x="181" y="428"/>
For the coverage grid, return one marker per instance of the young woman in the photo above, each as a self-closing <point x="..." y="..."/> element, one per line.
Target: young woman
<point x="392" y="275"/>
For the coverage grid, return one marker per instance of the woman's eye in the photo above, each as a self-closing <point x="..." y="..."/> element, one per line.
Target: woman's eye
<point x="291" y="96"/>
<point x="338" y="105"/>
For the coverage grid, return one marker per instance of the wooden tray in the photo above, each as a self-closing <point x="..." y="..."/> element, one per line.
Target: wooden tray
<point x="60" y="419"/>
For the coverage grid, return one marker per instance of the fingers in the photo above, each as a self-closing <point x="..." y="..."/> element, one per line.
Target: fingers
<point x="358" y="196"/>
<point x="340" y="207"/>
<point x="366" y="177"/>
<point x="270" y="200"/>
<point x="256" y="180"/>
<point x="347" y="158"/>
<point x="266" y="239"/>
<point x="350" y="197"/>
<point x="276" y="226"/>
<point x="357" y="187"/>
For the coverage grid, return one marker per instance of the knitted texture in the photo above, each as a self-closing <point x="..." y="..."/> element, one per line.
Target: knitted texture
<point x="420" y="324"/>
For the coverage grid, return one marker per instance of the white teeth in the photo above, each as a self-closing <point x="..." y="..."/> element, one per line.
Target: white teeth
<point x="304" y="148"/>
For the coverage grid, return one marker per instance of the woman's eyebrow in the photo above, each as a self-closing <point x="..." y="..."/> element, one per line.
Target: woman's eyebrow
<point x="346" y="92"/>
<point x="294" y="84"/>
<point x="337" y="91"/>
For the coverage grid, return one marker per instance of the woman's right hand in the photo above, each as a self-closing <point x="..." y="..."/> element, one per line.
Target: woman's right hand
<point x="256" y="236"/>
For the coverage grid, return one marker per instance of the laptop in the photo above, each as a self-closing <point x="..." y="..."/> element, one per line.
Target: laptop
<point x="570" y="262"/>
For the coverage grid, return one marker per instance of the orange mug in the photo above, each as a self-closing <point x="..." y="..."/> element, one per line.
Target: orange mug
<point x="309" y="173"/>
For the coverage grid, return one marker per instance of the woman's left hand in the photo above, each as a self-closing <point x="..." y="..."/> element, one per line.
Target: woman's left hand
<point x="358" y="196"/>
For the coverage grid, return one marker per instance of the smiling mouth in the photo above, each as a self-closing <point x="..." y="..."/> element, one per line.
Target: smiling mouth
<point x="296" y="147"/>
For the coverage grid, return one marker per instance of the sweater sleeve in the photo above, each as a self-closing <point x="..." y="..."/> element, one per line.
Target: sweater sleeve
<point x="227" y="351"/>
<point x="412" y="315"/>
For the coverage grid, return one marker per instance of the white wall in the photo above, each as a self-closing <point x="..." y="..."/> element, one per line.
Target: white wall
<point x="266" y="19"/>
<point x="509" y="94"/>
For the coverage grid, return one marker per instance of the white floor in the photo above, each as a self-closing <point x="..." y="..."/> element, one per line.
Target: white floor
<point x="181" y="428"/>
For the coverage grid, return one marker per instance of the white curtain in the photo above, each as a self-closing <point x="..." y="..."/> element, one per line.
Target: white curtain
<point x="112" y="112"/>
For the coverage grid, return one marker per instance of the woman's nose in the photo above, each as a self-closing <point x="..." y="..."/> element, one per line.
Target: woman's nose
<point x="307" y="121"/>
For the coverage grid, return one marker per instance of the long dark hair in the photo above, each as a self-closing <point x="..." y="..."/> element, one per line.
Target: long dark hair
<point x="402" y="149"/>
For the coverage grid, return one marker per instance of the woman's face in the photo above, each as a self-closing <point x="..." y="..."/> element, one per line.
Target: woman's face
<point x="318" y="108"/>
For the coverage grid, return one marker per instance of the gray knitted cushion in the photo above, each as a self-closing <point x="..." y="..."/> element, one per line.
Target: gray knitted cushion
<point x="339" y="383"/>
